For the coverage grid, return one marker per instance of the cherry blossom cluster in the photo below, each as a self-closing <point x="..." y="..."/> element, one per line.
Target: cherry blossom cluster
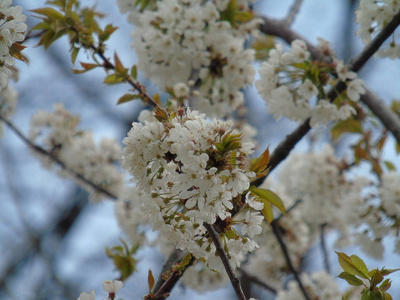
<point x="8" y="104"/>
<point x="178" y="41"/>
<point x="372" y="16"/>
<point x="12" y="29"/>
<point x="191" y="171"/>
<point x="319" y="285"/>
<point x="295" y="86"/>
<point x="320" y="182"/>
<point x="59" y="135"/>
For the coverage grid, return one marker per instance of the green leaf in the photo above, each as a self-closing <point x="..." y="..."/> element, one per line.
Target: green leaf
<point x="113" y="79"/>
<point x="269" y="196"/>
<point x="385" y="272"/>
<point x="48" y="12"/>
<point x="367" y="295"/>
<point x="360" y="265"/>
<point x="41" y="26"/>
<point x="349" y="266"/>
<point x="127" y="98"/>
<point x="389" y="165"/>
<point x="259" y="164"/>
<point x="349" y="125"/>
<point x="267" y="212"/>
<point x="351" y="279"/>
<point x="385" y="285"/>
<point x="186" y="260"/>
<point x="134" y="72"/>
<point x="74" y="54"/>
<point x="376" y="279"/>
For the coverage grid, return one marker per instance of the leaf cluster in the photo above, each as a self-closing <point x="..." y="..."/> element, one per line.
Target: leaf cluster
<point x="80" y="24"/>
<point x="123" y="259"/>
<point x="356" y="273"/>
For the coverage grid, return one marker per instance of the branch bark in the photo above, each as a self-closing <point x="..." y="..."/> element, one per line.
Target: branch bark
<point x="229" y="270"/>
<point x="43" y="151"/>
<point x="275" y="229"/>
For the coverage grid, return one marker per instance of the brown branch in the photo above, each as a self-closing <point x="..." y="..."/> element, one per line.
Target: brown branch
<point x="55" y="159"/>
<point x="169" y="284"/>
<point x="275" y="229"/>
<point x="175" y="257"/>
<point x="324" y="249"/>
<point x="293" y="11"/>
<point x="258" y="281"/>
<point x="229" y="270"/>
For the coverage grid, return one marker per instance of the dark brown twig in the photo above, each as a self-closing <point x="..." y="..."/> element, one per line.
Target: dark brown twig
<point x="293" y="11"/>
<point x="275" y="229"/>
<point x="258" y="281"/>
<point x="324" y="249"/>
<point x="229" y="270"/>
<point x="55" y="159"/>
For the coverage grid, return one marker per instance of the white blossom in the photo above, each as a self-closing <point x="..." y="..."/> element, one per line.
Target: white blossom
<point x="289" y="91"/>
<point x="112" y="286"/>
<point x="86" y="296"/>
<point x="190" y="41"/>
<point x="183" y="179"/>
<point x="372" y="16"/>
<point x="76" y="149"/>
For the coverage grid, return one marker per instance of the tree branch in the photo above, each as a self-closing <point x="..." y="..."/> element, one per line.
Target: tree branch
<point x="135" y="84"/>
<point x="324" y="249"/>
<point x="275" y="229"/>
<point x="258" y="281"/>
<point x="169" y="284"/>
<point x="55" y="159"/>
<point x="293" y="11"/>
<point x="229" y="270"/>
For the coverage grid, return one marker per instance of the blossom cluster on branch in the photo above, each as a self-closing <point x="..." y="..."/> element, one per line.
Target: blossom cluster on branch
<point x="194" y="178"/>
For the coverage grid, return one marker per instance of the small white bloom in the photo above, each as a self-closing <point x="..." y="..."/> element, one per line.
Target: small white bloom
<point x="86" y="296"/>
<point x="354" y="89"/>
<point x="112" y="286"/>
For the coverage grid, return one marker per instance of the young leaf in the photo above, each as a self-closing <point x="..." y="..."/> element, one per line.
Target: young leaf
<point x="269" y="196"/>
<point x="186" y="260"/>
<point x="351" y="279"/>
<point x="385" y="285"/>
<point x="150" y="281"/>
<point x="376" y="279"/>
<point x="385" y="272"/>
<point x="127" y="98"/>
<point x="267" y="212"/>
<point x="134" y="72"/>
<point x="259" y="164"/>
<point x="359" y="263"/>
<point x="349" y="266"/>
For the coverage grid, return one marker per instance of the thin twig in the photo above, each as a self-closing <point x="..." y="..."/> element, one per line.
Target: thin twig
<point x="258" y="281"/>
<point x="44" y="152"/>
<point x="135" y="84"/>
<point x="229" y="270"/>
<point x="275" y="229"/>
<point x="169" y="284"/>
<point x="297" y="202"/>
<point x="293" y="11"/>
<point x="324" y="249"/>
<point x="175" y="257"/>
